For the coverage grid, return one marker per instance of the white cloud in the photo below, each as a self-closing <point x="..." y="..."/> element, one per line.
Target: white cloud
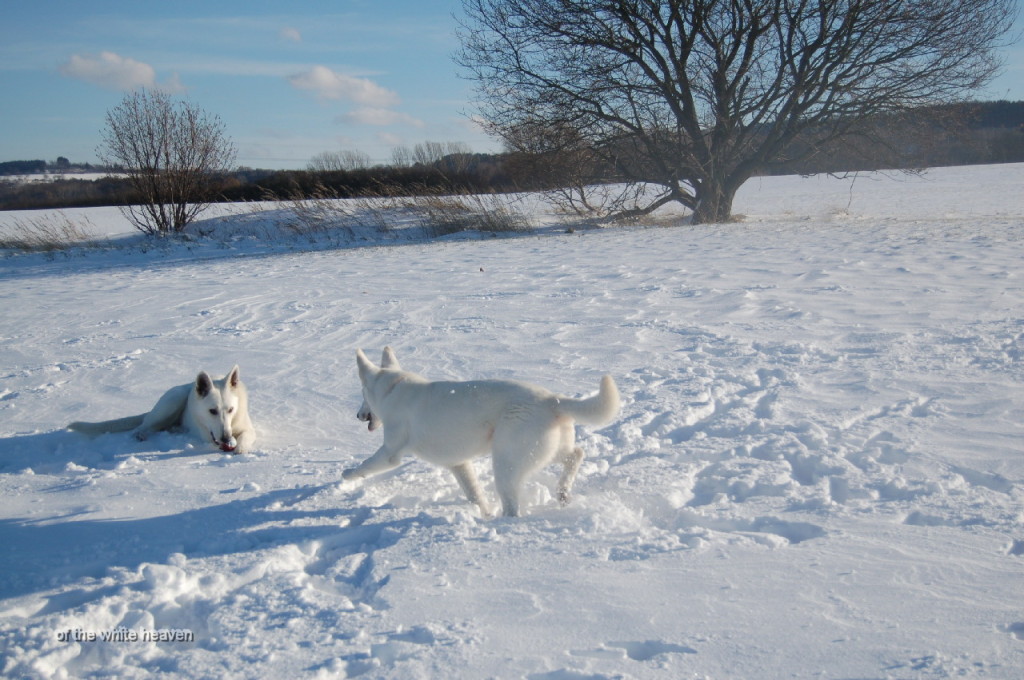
<point x="328" y="84"/>
<point x="291" y="34"/>
<point x="475" y="123"/>
<point x="378" y="116"/>
<point x="109" y="70"/>
<point x="172" y="85"/>
<point x="389" y="139"/>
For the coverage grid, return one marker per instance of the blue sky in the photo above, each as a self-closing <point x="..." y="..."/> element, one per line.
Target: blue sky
<point x="289" y="79"/>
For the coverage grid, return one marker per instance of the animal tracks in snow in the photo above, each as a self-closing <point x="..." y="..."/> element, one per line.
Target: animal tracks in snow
<point x="729" y="426"/>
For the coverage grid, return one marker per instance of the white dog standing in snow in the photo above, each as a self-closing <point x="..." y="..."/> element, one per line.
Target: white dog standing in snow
<point x="523" y="427"/>
<point x="212" y="410"/>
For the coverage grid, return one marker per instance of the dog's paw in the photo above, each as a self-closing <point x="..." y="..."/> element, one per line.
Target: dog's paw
<point x="351" y="474"/>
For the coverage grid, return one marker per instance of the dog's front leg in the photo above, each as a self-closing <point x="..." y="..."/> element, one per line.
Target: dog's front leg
<point x="245" y="439"/>
<point x="386" y="458"/>
<point x="466" y="476"/>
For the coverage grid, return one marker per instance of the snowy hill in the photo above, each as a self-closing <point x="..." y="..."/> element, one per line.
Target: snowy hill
<point x="818" y="470"/>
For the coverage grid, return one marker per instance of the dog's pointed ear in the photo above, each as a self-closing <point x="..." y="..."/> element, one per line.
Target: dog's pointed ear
<point x="203" y="384"/>
<point x="233" y="377"/>
<point x="366" y="367"/>
<point x="389" y="360"/>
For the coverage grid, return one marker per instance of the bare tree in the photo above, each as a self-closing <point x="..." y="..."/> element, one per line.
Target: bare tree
<point x="445" y="157"/>
<point x="401" y="157"/>
<point x="173" y="153"/>
<point x="695" y="97"/>
<point x="429" y="153"/>
<point x="334" y="161"/>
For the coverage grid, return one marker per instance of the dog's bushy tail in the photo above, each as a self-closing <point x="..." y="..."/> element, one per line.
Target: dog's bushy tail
<point x="599" y="409"/>
<point x="107" y="426"/>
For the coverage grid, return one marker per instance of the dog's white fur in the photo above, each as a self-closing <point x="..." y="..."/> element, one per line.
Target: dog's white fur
<point x="212" y="410"/>
<point x="523" y="427"/>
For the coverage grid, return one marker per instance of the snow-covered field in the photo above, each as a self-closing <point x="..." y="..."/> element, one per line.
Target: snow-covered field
<point x="818" y="470"/>
<point x="42" y="177"/>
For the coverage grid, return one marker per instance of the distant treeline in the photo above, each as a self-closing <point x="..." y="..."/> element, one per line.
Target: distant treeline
<point x="60" y="166"/>
<point x="977" y="133"/>
<point x="22" y="167"/>
<point x="966" y="134"/>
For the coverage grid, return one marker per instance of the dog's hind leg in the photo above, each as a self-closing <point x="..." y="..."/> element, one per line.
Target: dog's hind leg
<point x="508" y="492"/>
<point x="513" y="461"/>
<point x="518" y="451"/>
<point x="466" y="476"/>
<point x="571" y="462"/>
<point x="571" y="457"/>
<point x="167" y="412"/>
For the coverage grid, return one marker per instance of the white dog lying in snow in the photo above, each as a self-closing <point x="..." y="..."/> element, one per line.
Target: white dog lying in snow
<point x="450" y="423"/>
<point x="212" y="410"/>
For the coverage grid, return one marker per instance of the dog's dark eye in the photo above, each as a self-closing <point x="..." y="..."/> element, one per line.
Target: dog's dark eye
<point x="231" y="410"/>
<point x="213" y="411"/>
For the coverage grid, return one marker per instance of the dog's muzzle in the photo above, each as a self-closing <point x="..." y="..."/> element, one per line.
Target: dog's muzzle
<point x="367" y="417"/>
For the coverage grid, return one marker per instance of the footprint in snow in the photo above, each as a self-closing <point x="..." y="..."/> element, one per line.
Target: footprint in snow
<point x="647" y="650"/>
<point x="1016" y="630"/>
<point x="644" y="650"/>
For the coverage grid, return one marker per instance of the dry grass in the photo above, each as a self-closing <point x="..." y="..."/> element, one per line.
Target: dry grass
<point x="444" y="215"/>
<point x="50" y="232"/>
<point x="439" y="215"/>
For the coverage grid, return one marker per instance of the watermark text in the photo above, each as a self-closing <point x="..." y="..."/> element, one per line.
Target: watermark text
<point x="127" y="635"/>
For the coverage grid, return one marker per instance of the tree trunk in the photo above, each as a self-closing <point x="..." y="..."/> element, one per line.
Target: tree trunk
<point x="714" y="203"/>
